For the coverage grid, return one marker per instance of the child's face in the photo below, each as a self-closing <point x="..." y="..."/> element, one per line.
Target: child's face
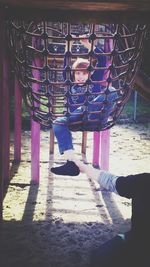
<point x="81" y="76"/>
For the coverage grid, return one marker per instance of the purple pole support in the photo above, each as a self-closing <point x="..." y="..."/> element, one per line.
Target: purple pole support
<point x="35" y="134"/>
<point x="96" y="149"/>
<point x="101" y="140"/>
<point x="105" y="146"/>
<point x="17" y="119"/>
<point x="35" y="151"/>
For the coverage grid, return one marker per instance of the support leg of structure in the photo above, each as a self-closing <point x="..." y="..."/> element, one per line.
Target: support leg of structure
<point x="35" y="152"/>
<point x="4" y="111"/>
<point x="83" y="148"/>
<point x="17" y="119"/>
<point x="96" y="149"/>
<point x="105" y="147"/>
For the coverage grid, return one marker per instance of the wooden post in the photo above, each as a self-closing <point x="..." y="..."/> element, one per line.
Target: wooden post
<point x="84" y="142"/>
<point x="5" y="108"/>
<point x="4" y="111"/>
<point x="51" y="150"/>
<point x="17" y="119"/>
<point x="83" y="147"/>
<point x="6" y="123"/>
<point x="2" y="44"/>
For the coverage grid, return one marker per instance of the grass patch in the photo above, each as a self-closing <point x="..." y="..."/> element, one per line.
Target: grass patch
<point x="141" y="106"/>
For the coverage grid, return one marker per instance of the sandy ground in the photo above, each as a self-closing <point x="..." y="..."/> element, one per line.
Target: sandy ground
<point x="60" y="221"/>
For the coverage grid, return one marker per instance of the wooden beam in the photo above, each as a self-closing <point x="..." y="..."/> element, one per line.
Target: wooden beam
<point x="81" y="5"/>
<point x="82" y="11"/>
<point x="4" y="112"/>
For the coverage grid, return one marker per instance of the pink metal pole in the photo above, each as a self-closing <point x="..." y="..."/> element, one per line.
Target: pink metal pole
<point x="99" y="138"/>
<point x="105" y="135"/>
<point x="105" y="146"/>
<point x="35" y="151"/>
<point x="17" y="119"/>
<point x="96" y="149"/>
<point x="35" y="134"/>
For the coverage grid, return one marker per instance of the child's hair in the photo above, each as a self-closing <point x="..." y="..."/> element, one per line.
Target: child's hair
<point x="81" y="63"/>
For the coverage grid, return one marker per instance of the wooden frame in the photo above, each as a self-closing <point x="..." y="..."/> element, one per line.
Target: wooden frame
<point x="83" y="10"/>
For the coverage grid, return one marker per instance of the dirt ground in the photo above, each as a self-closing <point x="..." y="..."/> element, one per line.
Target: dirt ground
<point x="60" y="221"/>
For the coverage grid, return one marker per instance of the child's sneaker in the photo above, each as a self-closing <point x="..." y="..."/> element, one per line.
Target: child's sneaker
<point x="69" y="168"/>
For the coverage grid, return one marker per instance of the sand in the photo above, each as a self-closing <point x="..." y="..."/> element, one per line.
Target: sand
<point x="60" y="221"/>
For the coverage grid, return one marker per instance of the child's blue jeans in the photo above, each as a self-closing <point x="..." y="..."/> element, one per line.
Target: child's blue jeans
<point x="60" y="125"/>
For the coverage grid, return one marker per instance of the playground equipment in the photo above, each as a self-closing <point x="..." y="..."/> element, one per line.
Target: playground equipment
<point x="43" y="53"/>
<point x="118" y="71"/>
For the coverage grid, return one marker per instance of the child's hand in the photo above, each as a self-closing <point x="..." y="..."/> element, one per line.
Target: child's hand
<point x="85" y="41"/>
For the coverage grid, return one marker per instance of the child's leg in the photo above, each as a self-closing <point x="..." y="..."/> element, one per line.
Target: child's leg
<point x="65" y="144"/>
<point x="62" y="134"/>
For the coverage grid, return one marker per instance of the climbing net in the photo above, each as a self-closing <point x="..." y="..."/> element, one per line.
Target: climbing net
<point x="43" y="53"/>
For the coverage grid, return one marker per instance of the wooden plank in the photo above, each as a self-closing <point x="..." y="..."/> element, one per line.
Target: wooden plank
<point x="73" y="11"/>
<point x="80" y="5"/>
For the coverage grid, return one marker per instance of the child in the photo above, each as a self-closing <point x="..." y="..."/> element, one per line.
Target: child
<point x="62" y="133"/>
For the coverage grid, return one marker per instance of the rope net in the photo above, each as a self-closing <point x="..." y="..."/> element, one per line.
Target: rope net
<point x="44" y="53"/>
